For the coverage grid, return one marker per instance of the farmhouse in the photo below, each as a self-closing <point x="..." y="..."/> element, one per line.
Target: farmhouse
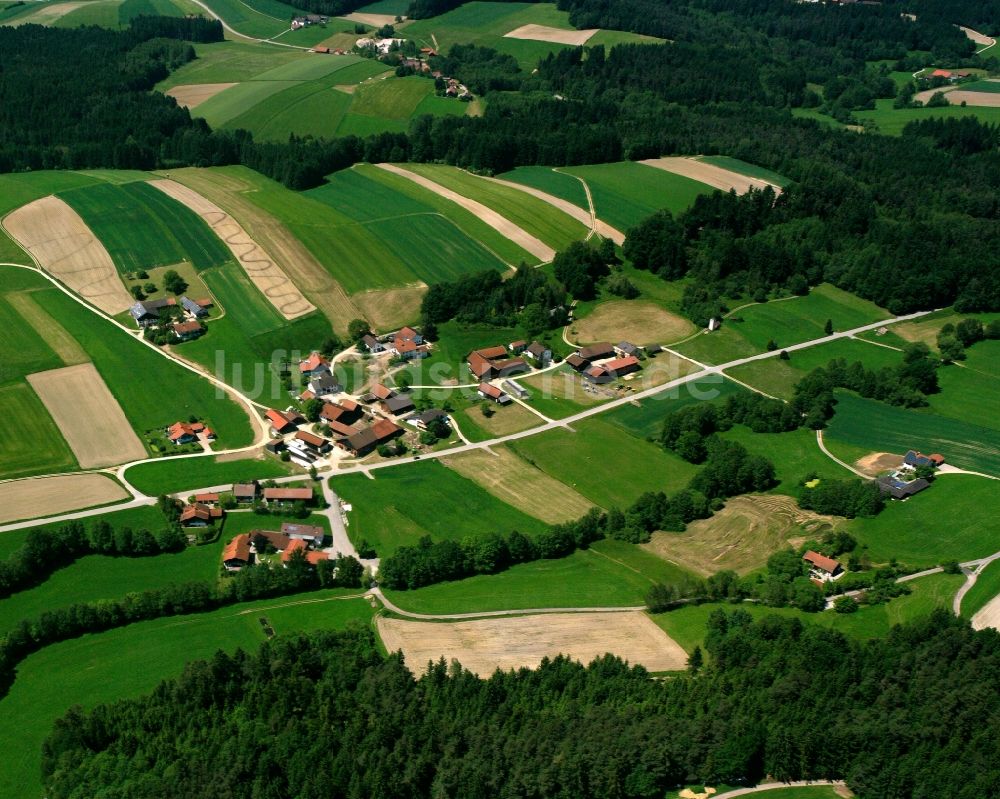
<point x="821" y="567"/>
<point x="410" y="350"/>
<point x="207" y="499"/>
<point x="306" y="395"/>
<point x="575" y="362"/>
<point x="314" y="365"/>
<point x="486" y="391"/>
<point x="306" y="20"/>
<point x="421" y="420"/>
<point x="397" y="404"/>
<point x="612" y="370"/>
<point x="237" y="554"/>
<point x="147" y="312"/>
<point x="372" y="344"/>
<point x="596" y="352"/>
<point x="283" y="421"/>
<point x="286" y="495"/>
<point x="185" y="433"/>
<point x="245" y="493"/>
<point x="916" y="459"/>
<point x="901" y="489"/>
<point x="199" y="515"/>
<point x="312" y="557"/>
<point x="517" y="347"/>
<point x="261" y="539"/>
<point x="491" y="362"/>
<point x="304" y="532"/>
<point x="539" y="353"/>
<point x="312" y="442"/>
<point x="364" y="441"/>
<point x="324" y="383"/>
<point x="625" y="348"/>
<point x="344" y="413"/>
<point x="194" y="307"/>
<point x="185" y="331"/>
<point x="381" y="393"/>
<point x="480" y="366"/>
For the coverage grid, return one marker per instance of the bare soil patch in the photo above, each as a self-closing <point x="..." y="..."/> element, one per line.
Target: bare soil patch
<point x="192" y="95"/>
<point x="88" y="415"/>
<point x="56" y="336"/>
<point x="878" y="462"/>
<point x="988" y="615"/>
<point x="712" y="175"/>
<point x="980" y="99"/>
<point x="375" y="20"/>
<point x="48" y="496"/>
<point x="388" y="309"/>
<point x="484" y="645"/>
<point x="517" y="483"/>
<point x="506" y="228"/>
<point x="259" y="265"/>
<point x="543" y="33"/>
<point x="637" y="321"/>
<point x="976" y="36"/>
<point x="741" y="536"/>
<point x="298" y="262"/>
<point x="62" y="244"/>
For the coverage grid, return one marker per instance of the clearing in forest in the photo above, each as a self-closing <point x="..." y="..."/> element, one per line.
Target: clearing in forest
<point x="262" y="269"/>
<point x="88" y="415"/>
<point x="543" y="33"/>
<point x="517" y="483"/>
<point x="637" y="321"/>
<point x="194" y="94"/>
<point x="484" y="645"/>
<point x="710" y="174"/>
<point x="47" y="496"/>
<point x="741" y="536"/>
<point x="62" y="244"/>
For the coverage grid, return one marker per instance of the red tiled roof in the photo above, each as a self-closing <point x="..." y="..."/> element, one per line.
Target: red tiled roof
<point x="341" y="429"/>
<point x="490" y="391"/>
<point x="316" y="556"/>
<point x="348" y="405"/>
<point x="206" y="497"/>
<point x="187" y="327"/>
<point x="314" y="361"/>
<point x="575" y="361"/>
<point x="491" y="353"/>
<point x="479" y="365"/>
<point x="941" y="73"/>
<point x="199" y="511"/>
<point x="293" y="546"/>
<point x="384" y="428"/>
<point x="288" y="493"/>
<point x="307" y="395"/>
<point x="279" y="420"/>
<point x="204" y="302"/>
<point x="309" y="438"/>
<point x="179" y="430"/>
<point x="621" y="363"/>
<point x="382" y="392"/>
<point x="821" y="562"/>
<point x="244" y="490"/>
<point x="237" y="549"/>
<point x="408" y="345"/>
<point x="407" y="333"/>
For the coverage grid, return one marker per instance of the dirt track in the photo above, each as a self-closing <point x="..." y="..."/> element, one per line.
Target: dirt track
<point x="506" y="228"/>
<point x="712" y="175"/>
<point x="988" y="615"/>
<point x="88" y="416"/>
<point x="48" y="496"/>
<point x="62" y="244"/>
<point x="483" y="645"/>
<point x="194" y="94"/>
<point x="543" y="33"/>
<point x="261" y="268"/>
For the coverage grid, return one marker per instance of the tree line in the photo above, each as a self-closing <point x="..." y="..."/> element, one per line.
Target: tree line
<point x="768" y="698"/>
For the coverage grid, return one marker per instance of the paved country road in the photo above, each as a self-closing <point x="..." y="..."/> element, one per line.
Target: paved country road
<point x="770" y="786"/>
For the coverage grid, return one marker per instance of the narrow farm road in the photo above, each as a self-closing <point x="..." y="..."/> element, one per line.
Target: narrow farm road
<point x="230" y="29"/>
<point x="377" y="592"/>
<point x="972" y="575"/>
<point x="835" y="459"/>
<point x="771" y="786"/>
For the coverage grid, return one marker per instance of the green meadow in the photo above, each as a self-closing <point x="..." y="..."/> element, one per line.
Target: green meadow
<point x="627" y="192"/>
<point x="986" y="587"/>
<point x="968" y="393"/>
<point x="264" y="19"/>
<point x="34" y="445"/>
<point x="558" y="184"/>
<point x="891" y="121"/>
<point x="405" y="503"/>
<point x="170" y="475"/>
<point x="230" y="62"/>
<point x="646" y="419"/>
<point x="142" y="228"/>
<point x="885" y="428"/>
<point x="133" y="660"/>
<point x="743" y="168"/>
<point x="604" y="463"/>
<point x="794" y="455"/>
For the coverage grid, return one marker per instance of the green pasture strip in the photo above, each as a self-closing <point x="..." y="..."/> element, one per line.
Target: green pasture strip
<point x="363" y="126"/>
<point x="986" y="587"/>
<point x="625" y="193"/>
<point x="24" y="187"/>
<point x="394" y="7"/>
<point x="310" y="68"/>
<point x="646" y="420"/>
<point x="744" y="168"/>
<point x="231" y="102"/>
<point x="880" y="427"/>
<point x="171" y="475"/>
<point x="407" y="502"/>
<point x="142" y="228"/>
<point x="966" y="395"/>
<point x="152" y="391"/>
<point x="103" y="13"/>
<point x="359" y="195"/>
<point x="469" y="223"/>
<point x="610" y="573"/>
<point x="610" y="38"/>
<point x="130" y="9"/>
<point x="392" y="98"/>
<point x="230" y="62"/>
<point x="983" y="358"/>
<point x="527" y="52"/>
<point x="483" y="23"/>
<point x="133" y="660"/>
<point x="33" y="444"/>
<point x="990" y="86"/>
<point x="688" y="625"/>
<point x="535" y="216"/>
<point x="22" y="349"/>
<point x="306" y="109"/>
<point x="441" y="107"/>
<point x="607" y="465"/>
<point x="891" y="121"/>
<point x="254" y="20"/>
<point x="241" y="299"/>
<point x="558" y="184"/>
<point x="951" y="520"/>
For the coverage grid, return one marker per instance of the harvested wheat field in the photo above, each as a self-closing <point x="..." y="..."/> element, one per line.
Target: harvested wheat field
<point x="988" y="615"/>
<point x="976" y="36"/>
<point x="259" y="265"/>
<point x="375" y="20"/>
<point x="308" y="274"/>
<point x="873" y="465"/>
<point x="709" y="174"/>
<point x="88" y="416"/>
<point x="388" y="309"/>
<point x="47" y="14"/>
<point x="503" y="226"/>
<point x="741" y="536"/>
<point x="62" y="244"/>
<point x="194" y="94"/>
<point x="638" y="321"/>
<point x="484" y="645"/>
<point x="543" y="33"/>
<point x="981" y="99"/>
<point x="520" y="484"/>
<point x="48" y="496"/>
<point x="55" y="335"/>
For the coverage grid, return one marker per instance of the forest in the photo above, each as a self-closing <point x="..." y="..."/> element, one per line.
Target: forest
<point x="326" y="716"/>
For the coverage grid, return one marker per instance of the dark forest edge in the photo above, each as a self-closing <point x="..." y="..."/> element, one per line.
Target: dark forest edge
<point x="371" y="728"/>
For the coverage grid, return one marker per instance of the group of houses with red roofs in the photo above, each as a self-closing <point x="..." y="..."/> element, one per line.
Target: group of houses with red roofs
<point x="205" y="509"/>
<point x="605" y="362"/>
<point x="406" y="344"/>
<point x="246" y="549"/>
<point x="180" y="433"/>
<point x="182" y="315"/>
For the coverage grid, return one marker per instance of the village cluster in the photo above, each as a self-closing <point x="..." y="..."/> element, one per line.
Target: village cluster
<point x="174" y="319"/>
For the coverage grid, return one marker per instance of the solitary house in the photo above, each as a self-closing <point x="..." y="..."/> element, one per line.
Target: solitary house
<point x="487" y="391"/>
<point x="822" y="567"/>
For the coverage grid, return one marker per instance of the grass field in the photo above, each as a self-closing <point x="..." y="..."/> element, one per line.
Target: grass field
<point x="230" y="62"/>
<point x="626" y="193"/>
<point x="743" y="168"/>
<point x="131" y="661"/>
<point x="967" y="394"/>
<point x="786" y="321"/>
<point x="549" y="180"/>
<point x="34" y="445"/>
<point x="535" y="216"/>
<point x="605" y="464"/>
<point x="171" y="475"/>
<point x="23" y="350"/>
<point x="142" y="228"/>
<point x="794" y="455"/>
<point x="646" y="420"/>
<point x="264" y="19"/>
<point x="687" y="625"/>
<point x="986" y="587"/>
<point x="885" y="428"/>
<point x="405" y="503"/>
<point x="891" y="121"/>
<point x="610" y="573"/>
<point x="167" y="392"/>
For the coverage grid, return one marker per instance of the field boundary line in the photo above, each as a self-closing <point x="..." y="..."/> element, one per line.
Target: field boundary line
<point x="835" y="459"/>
